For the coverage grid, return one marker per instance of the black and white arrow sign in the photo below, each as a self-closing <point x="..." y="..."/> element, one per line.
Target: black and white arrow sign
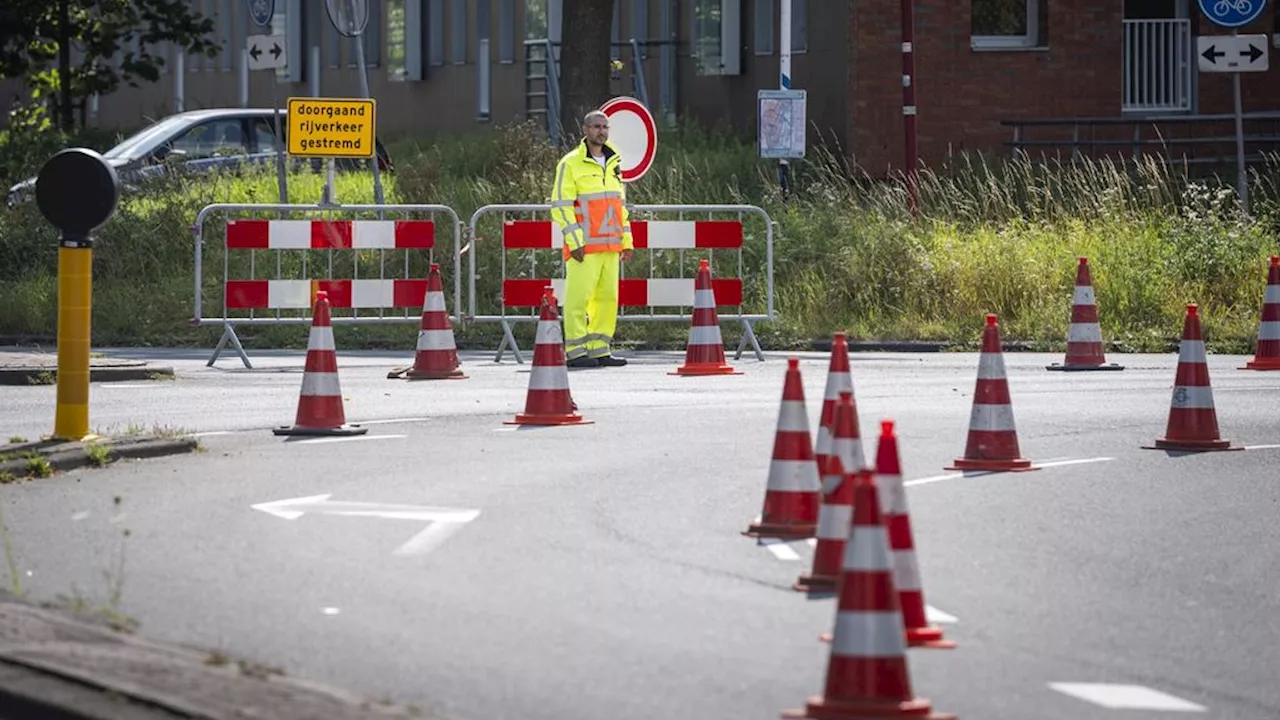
<point x="1232" y="53"/>
<point x="266" y="52"/>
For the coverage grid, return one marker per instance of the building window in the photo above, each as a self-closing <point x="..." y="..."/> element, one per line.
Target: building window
<point x="763" y="41"/>
<point x="507" y="31"/>
<point x="717" y="48"/>
<point x="435" y="25"/>
<point x="458" y="32"/>
<point x="372" y="36"/>
<point x="1008" y="24"/>
<point x="799" y="26"/>
<point x="404" y="39"/>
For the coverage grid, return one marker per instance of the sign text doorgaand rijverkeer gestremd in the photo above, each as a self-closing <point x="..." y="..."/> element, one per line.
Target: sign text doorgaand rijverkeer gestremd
<point x="331" y="127"/>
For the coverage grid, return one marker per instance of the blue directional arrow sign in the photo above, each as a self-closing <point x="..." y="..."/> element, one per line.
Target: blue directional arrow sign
<point x="1232" y="13"/>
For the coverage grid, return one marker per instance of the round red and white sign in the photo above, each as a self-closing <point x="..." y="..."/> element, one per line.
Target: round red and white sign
<point x="635" y="134"/>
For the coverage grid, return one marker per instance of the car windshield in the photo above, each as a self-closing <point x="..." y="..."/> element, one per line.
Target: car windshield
<point x="142" y="141"/>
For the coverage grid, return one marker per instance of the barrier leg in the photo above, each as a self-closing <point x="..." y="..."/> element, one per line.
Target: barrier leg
<point x="748" y="335"/>
<point x="229" y="334"/>
<point x="508" y="339"/>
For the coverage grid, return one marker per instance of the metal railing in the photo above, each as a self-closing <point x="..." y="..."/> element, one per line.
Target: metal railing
<point x="1157" y="66"/>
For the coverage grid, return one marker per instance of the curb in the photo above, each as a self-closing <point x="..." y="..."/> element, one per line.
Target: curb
<point x="49" y="375"/>
<point x="72" y="455"/>
<point x="60" y="665"/>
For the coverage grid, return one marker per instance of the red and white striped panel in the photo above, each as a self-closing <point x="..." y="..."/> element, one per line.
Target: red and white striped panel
<point x="651" y="234"/>
<point x="330" y="234"/>
<point x="632" y="292"/>
<point x="300" y="294"/>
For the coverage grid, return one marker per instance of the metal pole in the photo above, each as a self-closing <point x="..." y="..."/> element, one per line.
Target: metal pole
<point x="909" y="101"/>
<point x="784" y="83"/>
<point x="179" y="81"/>
<point x="281" y="183"/>
<point x="75" y="300"/>
<point x="364" y="93"/>
<point x="244" y="77"/>
<point x="1242" y="175"/>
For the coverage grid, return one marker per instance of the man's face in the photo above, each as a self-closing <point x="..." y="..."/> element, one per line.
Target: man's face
<point x="596" y="130"/>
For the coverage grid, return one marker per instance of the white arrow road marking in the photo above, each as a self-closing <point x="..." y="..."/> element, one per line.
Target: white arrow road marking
<point x="1125" y="697"/>
<point x="980" y="473"/>
<point x="444" y="522"/>
<point x="780" y="548"/>
<point x="933" y="614"/>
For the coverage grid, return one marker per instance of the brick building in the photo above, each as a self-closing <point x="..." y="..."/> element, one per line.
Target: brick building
<point x="463" y="64"/>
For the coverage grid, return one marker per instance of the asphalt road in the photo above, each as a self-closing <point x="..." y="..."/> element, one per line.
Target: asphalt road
<point x="605" y="574"/>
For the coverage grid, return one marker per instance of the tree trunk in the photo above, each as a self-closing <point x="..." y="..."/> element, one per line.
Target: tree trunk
<point x="584" y="62"/>
<point x="66" y="118"/>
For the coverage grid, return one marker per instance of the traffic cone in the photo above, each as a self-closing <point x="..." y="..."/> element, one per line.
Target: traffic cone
<point x="867" y="672"/>
<point x="548" y="401"/>
<point x="437" y="355"/>
<point x="1267" y="354"/>
<point x="836" y="512"/>
<point x="320" y="400"/>
<point x="704" y="354"/>
<point x="839" y="379"/>
<point x="897" y="520"/>
<point x="993" y="439"/>
<point x="792" y="496"/>
<point x="1084" y="337"/>
<point x="1193" y="422"/>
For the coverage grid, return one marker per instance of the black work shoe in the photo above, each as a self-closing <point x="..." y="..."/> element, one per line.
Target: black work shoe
<point x="583" y="362"/>
<point x="611" y="361"/>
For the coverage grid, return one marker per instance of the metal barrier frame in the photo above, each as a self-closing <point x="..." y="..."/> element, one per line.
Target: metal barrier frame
<point x="505" y="319"/>
<point x="228" y="323"/>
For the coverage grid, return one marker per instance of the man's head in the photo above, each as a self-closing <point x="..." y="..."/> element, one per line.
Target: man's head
<point x="595" y="128"/>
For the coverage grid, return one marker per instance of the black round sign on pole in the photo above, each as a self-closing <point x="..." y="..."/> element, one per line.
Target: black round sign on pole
<point x="77" y="191"/>
<point x="349" y="17"/>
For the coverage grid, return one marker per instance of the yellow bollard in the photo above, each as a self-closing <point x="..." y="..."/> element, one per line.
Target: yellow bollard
<point x="77" y="192"/>
<point x="75" y="309"/>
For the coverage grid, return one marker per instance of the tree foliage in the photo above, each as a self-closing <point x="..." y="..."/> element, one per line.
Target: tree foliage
<point x="116" y="42"/>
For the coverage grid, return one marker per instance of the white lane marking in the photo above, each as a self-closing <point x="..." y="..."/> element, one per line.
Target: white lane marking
<point x="394" y="420"/>
<point x="780" y="549"/>
<point x="1126" y="697"/>
<point x="980" y="473"/>
<point x="82" y="515"/>
<point x="352" y="438"/>
<point x="330" y="610"/>
<point x="933" y="614"/>
<point x="1261" y="447"/>
<point x="211" y="433"/>
<point x="127" y="386"/>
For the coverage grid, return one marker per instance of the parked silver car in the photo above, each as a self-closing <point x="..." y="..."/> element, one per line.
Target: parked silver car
<point x="201" y="140"/>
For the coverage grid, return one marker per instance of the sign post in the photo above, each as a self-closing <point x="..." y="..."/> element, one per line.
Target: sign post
<point x="780" y="114"/>
<point x="76" y="191"/>
<point x="349" y="18"/>
<point x="1230" y="51"/>
<point x="267" y="52"/>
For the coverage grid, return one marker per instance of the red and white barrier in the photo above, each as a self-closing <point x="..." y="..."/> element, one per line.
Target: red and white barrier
<point x="330" y="234"/>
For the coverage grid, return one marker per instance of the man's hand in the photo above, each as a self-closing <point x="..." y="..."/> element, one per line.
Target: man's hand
<point x="626" y="255"/>
<point x="578" y="254"/>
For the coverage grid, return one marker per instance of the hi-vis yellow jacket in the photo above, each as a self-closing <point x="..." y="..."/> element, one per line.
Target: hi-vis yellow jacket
<point x="588" y="202"/>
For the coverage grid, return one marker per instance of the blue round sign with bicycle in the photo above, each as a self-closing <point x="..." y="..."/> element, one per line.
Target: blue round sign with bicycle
<point x="1232" y="13"/>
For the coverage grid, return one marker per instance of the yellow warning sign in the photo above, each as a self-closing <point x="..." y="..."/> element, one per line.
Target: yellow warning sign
<point x="331" y="127"/>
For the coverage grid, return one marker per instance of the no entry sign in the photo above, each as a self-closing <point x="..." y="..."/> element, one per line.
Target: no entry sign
<point x="633" y="131"/>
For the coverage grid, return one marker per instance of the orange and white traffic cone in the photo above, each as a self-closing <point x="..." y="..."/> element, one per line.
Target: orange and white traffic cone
<point x="792" y="496"/>
<point x="897" y="520"/>
<point x="320" y="409"/>
<point x="437" y="354"/>
<point x="993" y="438"/>
<point x="1267" y="354"/>
<point x="704" y="354"/>
<point x="836" y="512"/>
<point x="1084" y="336"/>
<point x="867" y="672"/>
<point x="1193" y="421"/>
<point x="839" y="379"/>
<point x="548" y="401"/>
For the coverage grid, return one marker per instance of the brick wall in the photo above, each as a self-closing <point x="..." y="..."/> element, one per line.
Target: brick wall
<point x="962" y="94"/>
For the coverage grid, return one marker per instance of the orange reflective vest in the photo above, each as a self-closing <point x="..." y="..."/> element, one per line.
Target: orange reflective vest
<point x="588" y="202"/>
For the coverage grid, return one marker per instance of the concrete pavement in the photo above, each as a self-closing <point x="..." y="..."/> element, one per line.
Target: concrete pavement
<point x="600" y="570"/>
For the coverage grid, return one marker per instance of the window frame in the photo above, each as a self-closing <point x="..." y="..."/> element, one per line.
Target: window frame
<point x="1029" y="40"/>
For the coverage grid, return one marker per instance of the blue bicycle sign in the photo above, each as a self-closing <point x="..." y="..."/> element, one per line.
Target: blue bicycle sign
<point x="1232" y="13"/>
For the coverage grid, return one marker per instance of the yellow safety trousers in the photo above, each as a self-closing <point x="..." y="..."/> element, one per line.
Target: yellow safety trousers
<point x="590" y="305"/>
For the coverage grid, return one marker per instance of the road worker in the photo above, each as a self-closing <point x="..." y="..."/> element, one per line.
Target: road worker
<point x="588" y="203"/>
